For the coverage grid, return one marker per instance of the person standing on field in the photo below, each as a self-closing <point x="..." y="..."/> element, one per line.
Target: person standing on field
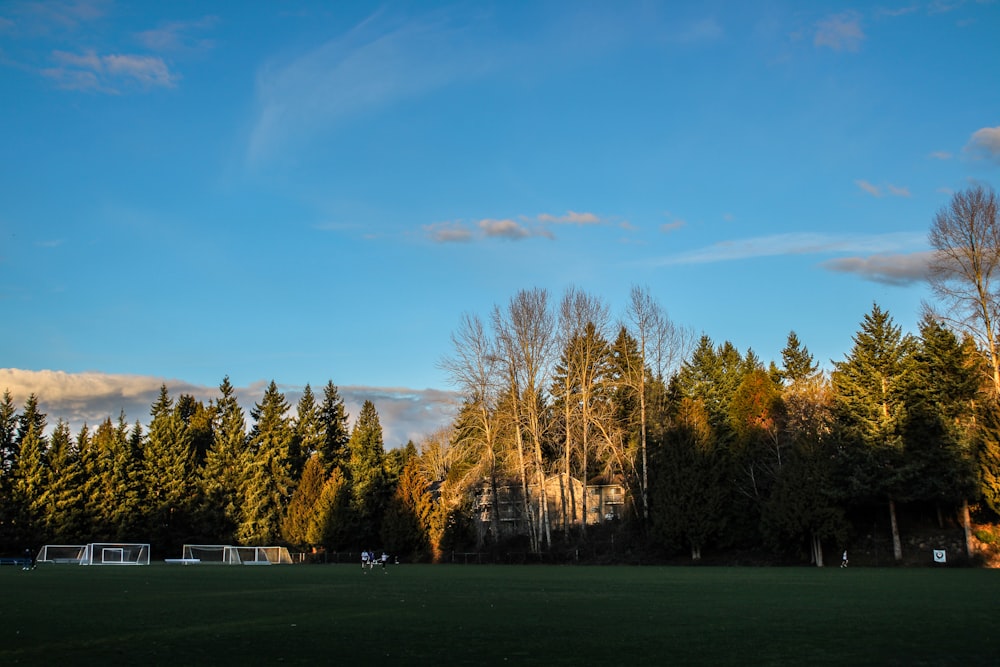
<point x="843" y="561"/>
<point x="364" y="560"/>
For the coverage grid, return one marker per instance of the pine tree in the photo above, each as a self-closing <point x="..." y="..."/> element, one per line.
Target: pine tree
<point x="335" y="429"/>
<point x="8" y="431"/>
<point x="689" y="492"/>
<point x="367" y="472"/>
<point x="797" y="363"/>
<point x="269" y="484"/>
<point x="402" y="530"/>
<point x="302" y="506"/>
<point x="169" y="473"/>
<point x="29" y="476"/>
<point x="870" y="398"/>
<point x="224" y="472"/>
<point x="308" y="432"/>
<point x="63" y="499"/>
<point x="331" y="521"/>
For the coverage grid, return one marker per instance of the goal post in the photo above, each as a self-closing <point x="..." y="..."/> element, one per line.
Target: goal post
<point x="61" y="553"/>
<point x="115" y="553"/>
<point x="205" y="553"/>
<point x="233" y="555"/>
<point x="258" y="556"/>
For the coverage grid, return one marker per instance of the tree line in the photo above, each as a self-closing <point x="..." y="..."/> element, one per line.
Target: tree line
<point x="715" y="448"/>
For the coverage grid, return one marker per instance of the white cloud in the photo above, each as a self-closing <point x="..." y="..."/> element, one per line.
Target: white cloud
<point x="986" y="143"/>
<point x="841" y="32"/>
<point x="91" y="397"/>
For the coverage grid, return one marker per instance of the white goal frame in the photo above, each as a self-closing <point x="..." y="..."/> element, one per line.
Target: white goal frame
<point x="61" y="553"/>
<point x="115" y="553"/>
<point x="226" y="554"/>
<point x="211" y="554"/>
<point x="258" y="556"/>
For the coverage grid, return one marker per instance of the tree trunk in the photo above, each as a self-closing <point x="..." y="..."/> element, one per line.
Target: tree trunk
<point x="967" y="527"/>
<point x="897" y="545"/>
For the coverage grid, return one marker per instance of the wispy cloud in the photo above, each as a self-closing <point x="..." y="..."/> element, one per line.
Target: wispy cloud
<point x="796" y="244"/>
<point x="92" y="397"/>
<point x="889" y="269"/>
<point x="985" y="143"/>
<point x="178" y="36"/>
<point x="378" y="63"/>
<point x="879" y="191"/>
<point x="941" y="155"/>
<point x="571" y="217"/>
<point x="112" y="73"/>
<point x="840" y="32"/>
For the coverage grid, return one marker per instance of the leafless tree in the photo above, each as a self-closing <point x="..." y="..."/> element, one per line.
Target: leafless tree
<point x="525" y="335"/>
<point x="662" y="346"/>
<point x="583" y="325"/>
<point x="475" y="368"/>
<point x="965" y="269"/>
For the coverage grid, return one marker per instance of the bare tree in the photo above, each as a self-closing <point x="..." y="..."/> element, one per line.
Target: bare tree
<point x="475" y="368"/>
<point x="662" y="345"/>
<point x="583" y="324"/>
<point x="525" y="335"/>
<point x="965" y="269"/>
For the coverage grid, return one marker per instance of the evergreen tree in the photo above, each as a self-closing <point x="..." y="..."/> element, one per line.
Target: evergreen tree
<point x="199" y="420"/>
<point x="169" y="473"/>
<point x="63" y="499"/>
<point x="368" y="479"/>
<point x="308" y="432"/>
<point x="331" y="521"/>
<point x="797" y="363"/>
<point x="29" y="476"/>
<point x="689" y="492"/>
<point x="870" y="400"/>
<point x="302" y="506"/>
<point x="335" y="429"/>
<point x="267" y="459"/>
<point x="224" y="472"/>
<point x="940" y="424"/>
<point x="402" y="530"/>
<point x="8" y="431"/>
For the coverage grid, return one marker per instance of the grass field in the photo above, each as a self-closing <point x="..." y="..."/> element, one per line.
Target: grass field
<point x="453" y="615"/>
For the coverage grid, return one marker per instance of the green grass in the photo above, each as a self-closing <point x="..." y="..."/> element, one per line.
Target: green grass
<point x="453" y="615"/>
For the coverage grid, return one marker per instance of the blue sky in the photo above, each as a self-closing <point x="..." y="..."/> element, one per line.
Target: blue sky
<point x="313" y="191"/>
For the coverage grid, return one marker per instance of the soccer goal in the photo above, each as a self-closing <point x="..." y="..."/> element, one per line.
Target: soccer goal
<point x="61" y="553"/>
<point x="205" y="553"/>
<point x="119" y="553"/>
<point x="258" y="556"/>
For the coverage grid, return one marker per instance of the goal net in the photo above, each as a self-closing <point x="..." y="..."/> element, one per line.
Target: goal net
<point x="117" y="553"/>
<point x="230" y="555"/>
<point x="61" y="553"/>
<point x="258" y="556"/>
<point x="206" y="553"/>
